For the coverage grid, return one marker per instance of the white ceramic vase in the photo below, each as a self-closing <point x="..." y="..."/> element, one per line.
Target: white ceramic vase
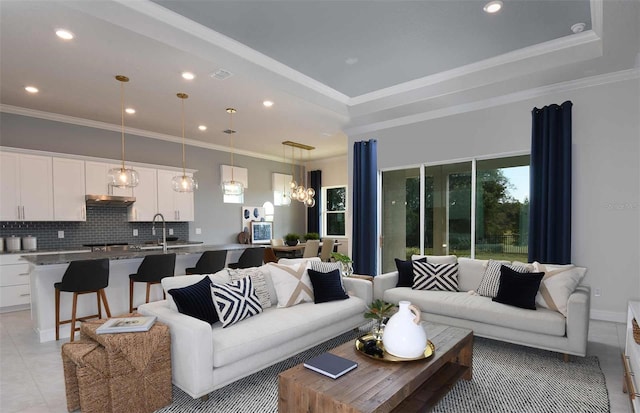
<point x="403" y="335"/>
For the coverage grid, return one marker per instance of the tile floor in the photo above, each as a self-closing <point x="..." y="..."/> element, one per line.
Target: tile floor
<point x="32" y="381"/>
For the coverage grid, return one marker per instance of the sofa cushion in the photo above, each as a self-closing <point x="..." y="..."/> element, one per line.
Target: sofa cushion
<point x="292" y="284"/>
<point x="558" y="283"/>
<point x="405" y="271"/>
<point x="327" y="286"/>
<point x="195" y="300"/>
<point x="293" y="261"/>
<point x="480" y="309"/>
<point x="428" y="276"/>
<point x="470" y="272"/>
<point x="258" y="280"/>
<point x="518" y="289"/>
<point x="491" y="278"/>
<point x="277" y="327"/>
<point x="235" y="301"/>
<point x="437" y="259"/>
<point x="179" y="281"/>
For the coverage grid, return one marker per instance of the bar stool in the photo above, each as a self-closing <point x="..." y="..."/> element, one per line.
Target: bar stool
<point x="209" y="263"/>
<point x="151" y="271"/>
<point x="82" y="277"/>
<point x="251" y="257"/>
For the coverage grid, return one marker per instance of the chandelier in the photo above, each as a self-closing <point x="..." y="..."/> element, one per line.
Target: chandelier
<point x="183" y="183"/>
<point x="300" y="192"/>
<point x="122" y="177"/>
<point x="231" y="187"/>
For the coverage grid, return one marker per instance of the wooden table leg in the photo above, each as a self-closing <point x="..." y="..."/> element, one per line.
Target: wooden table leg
<point x="465" y="358"/>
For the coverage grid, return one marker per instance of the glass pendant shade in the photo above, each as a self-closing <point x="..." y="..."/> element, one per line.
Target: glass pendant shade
<point x="123" y="177"/>
<point x="184" y="183"/>
<point x="232" y="188"/>
<point x="302" y="196"/>
<point x="311" y="192"/>
<point x="294" y="195"/>
<point x="310" y="202"/>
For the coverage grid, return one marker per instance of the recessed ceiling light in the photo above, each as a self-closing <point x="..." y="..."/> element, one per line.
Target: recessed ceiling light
<point x="202" y="128"/>
<point x="493" y="6"/>
<point x="578" y="27"/>
<point x="351" y="61"/>
<point x="31" y="89"/>
<point x="64" y="34"/>
<point x="267" y="103"/>
<point x="188" y="75"/>
<point x="130" y="111"/>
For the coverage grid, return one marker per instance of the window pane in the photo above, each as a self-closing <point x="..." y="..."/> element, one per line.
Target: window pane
<point x="336" y="199"/>
<point x="400" y="216"/>
<point x="336" y="224"/>
<point x="502" y="208"/>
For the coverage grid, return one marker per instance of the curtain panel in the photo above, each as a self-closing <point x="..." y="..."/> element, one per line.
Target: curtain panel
<point x="550" y="189"/>
<point x="313" y="213"/>
<point x="365" y="196"/>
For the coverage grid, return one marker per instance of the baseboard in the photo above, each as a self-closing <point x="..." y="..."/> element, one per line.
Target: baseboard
<point x="612" y="316"/>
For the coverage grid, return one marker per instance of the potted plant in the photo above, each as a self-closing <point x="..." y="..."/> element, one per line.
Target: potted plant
<point x="292" y="239"/>
<point x="379" y="310"/>
<point x="347" y="263"/>
<point x="311" y="235"/>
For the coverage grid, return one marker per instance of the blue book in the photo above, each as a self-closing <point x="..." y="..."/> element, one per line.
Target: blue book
<point x="330" y="365"/>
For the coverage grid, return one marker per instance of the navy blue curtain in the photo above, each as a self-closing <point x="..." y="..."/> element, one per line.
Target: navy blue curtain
<point x="313" y="214"/>
<point x="365" y="198"/>
<point x="550" y="197"/>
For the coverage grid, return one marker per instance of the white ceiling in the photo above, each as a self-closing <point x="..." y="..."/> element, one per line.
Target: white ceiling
<point x="412" y="57"/>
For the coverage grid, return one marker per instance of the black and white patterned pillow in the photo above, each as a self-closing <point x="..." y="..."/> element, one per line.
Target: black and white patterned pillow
<point x="439" y="277"/>
<point x="491" y="279"/>
<point x="235" y="301"/>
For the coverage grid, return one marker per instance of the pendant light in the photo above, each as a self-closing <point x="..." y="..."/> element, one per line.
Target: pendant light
<point x="310" y="201"/>
<point x="286" y="196"/>
<point x="122" y="177"/>
<point x="301" y="189"/>
<point x="293" y="185"/>
<point x="183" y="183"/>
<point x="231" y="187"/>
<point x="300" y="192"/>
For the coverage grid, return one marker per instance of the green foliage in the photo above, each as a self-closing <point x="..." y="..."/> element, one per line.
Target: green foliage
<point x="340" y="257"/>
<point x="379" y="309"/>
<point x="292" y="236"/>
<point x="311" y="235"/>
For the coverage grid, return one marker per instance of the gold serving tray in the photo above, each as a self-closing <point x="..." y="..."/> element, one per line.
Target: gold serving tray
<point x="360" y="343"/>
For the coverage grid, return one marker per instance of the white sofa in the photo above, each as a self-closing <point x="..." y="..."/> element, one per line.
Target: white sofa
<point x="542" y="328"/>
<point x="206" y="357"/>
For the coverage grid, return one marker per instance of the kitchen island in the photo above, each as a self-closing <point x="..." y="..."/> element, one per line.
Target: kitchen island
<point x="45" y="270"/>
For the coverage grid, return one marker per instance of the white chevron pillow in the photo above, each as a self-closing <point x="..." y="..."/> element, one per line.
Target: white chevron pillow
<point x="439" y="277"/>
<point x="235" y="301"/>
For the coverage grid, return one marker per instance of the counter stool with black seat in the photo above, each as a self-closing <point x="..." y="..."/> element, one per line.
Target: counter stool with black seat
<point x="83" y="277"/>
<point x="151" y="271"/>
<point x="209" y="262"/>
<point x="251" y="257"/>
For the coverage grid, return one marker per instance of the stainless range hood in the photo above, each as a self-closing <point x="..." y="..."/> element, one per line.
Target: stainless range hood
<point x="109" y="200"/>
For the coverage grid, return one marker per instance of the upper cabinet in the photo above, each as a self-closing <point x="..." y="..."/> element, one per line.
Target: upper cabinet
<point x="146" y="193"/>
<point x="174" y="206"/>
<point x="97" y="182"/>
<point x="27" y="187"/>
<point x="69" y="190"/>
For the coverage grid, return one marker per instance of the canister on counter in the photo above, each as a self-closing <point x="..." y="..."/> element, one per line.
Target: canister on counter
<point x="13" y="243"/>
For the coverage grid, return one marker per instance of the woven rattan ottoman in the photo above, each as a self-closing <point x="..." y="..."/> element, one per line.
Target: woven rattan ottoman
<point x="86" y="377"/>
<point x="137" y="369"/>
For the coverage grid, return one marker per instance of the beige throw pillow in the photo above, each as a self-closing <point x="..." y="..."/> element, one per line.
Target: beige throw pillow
<point x="292" y="283"/>
<point x="558" y="283"/>
<point x="259" y="283"/>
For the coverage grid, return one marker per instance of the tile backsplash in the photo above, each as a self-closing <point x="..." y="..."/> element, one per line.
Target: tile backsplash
<point x="103" y="225"/>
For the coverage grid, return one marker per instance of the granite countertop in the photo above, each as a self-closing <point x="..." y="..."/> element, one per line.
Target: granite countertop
<point x="45" y="251"/>
<point x="64" y="258"/>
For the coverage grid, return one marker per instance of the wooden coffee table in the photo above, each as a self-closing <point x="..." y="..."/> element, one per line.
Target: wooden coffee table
<point x="381" y="386"/>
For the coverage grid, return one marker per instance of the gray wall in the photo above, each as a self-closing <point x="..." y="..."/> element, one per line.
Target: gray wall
<point x="606" y="173"/>
<point x="219" y="222"/>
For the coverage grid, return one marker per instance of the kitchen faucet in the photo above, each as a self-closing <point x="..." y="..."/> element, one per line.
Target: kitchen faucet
<point x="164" y="231"/>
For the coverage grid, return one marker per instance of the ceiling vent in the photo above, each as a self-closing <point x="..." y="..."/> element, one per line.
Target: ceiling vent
<point x="221" y="74"/>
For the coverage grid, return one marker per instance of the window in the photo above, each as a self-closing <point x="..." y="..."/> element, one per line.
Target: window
<point x="437" y="210"/>
<point x="334" y="214"/>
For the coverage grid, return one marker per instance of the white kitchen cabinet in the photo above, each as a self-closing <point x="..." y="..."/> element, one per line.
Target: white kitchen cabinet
<point x="68" y="190"/>
<point x="174" y="206"/>
<point x="97" y="182"/>
<point x="27" y="187"/>
<point x="631" y="358"/>
<point x="14" y="283"/>
<point x="146" y="193"/>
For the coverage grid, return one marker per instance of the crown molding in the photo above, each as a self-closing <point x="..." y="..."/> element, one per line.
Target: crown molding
<point x="499" y="100"/>
<point x="56" y="117"/>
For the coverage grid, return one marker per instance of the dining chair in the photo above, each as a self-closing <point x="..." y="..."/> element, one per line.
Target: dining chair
<point x="327" y="249"/>
<point x="269" y="255"/>
<point x="277" y="242"/>
<point x="311" y="248"/>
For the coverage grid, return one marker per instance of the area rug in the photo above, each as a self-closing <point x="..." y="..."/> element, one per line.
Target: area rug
<point x="506" y="378"/>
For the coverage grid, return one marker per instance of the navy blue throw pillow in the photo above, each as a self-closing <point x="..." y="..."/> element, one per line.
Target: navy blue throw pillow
<point x="518" y="289"/>
<point x="326" y="286"/>
<point x="195" y="300"/>
<point x="405" y="272"/>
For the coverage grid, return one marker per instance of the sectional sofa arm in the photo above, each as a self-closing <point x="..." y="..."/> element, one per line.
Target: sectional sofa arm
<point x="191" y="347"/>
<point x="383" y="282"/>
<point x="578" y="313"/>
<point x="359" y="288"/>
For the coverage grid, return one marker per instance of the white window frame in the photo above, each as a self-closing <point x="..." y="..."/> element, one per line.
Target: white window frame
<point x="325" y="212"/>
